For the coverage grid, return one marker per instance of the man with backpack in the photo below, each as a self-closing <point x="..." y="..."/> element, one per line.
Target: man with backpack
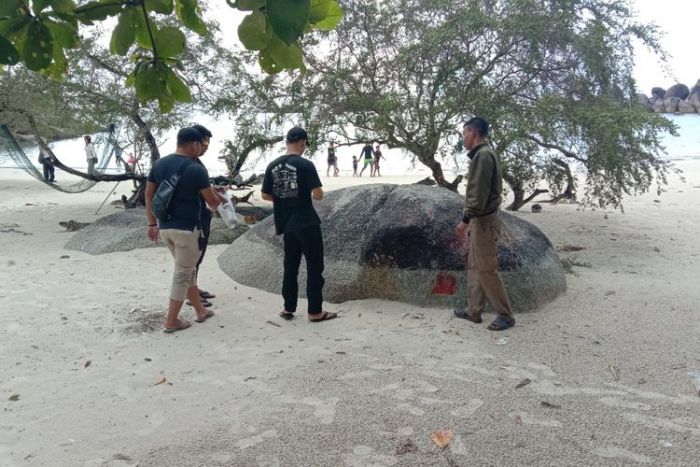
<point x="176" y="186"/>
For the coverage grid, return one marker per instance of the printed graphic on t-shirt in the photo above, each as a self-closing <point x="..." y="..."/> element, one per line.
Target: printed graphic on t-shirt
<point x="285" y="183"/>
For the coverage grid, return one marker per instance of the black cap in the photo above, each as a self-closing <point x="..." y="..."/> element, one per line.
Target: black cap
<point x="297" y="134"/>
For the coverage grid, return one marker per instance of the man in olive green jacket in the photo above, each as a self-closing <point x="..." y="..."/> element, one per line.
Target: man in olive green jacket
<point x="482" y="222"/>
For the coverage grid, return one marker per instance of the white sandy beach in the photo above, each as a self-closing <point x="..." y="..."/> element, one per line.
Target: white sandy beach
<point x="607" y="363"/>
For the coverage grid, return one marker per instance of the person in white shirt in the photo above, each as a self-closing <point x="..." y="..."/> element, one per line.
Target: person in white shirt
<point x="90" y="154"/>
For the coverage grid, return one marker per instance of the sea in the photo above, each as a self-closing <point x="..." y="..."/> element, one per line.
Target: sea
<point x="686" y="145"/>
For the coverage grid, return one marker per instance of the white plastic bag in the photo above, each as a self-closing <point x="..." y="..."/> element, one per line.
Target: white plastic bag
<point x="227" y="211"/>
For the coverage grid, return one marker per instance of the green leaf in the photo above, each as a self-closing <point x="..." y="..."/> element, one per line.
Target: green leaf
<point x="59" y="66"/>
<point x="142" y="37"/>
<point x="160" y="6"/>
<point x="249" y="5"/>
<point x="37" y="50"/>
<point x="178" y="89"/>
<point x="333" y="17"/>
<point x="39" y="5"/>
<point x="63" y="33"/>
<point x="170" y="42"/>
<point x="319" y="10"/>
<point x="190" y="15"/>
<point x="8" y="53"/>
<point x="11" y="27"/>
<point x="253" y="32"/>
<point x="124" y="33"/>
<point x="10" y="8"/>
<point x="288" y="18"/>
<point x="267" y="63"/>
<point x="166" y="102"/>
<point x="285" y="56"/>
<point x="63" y="6"/>
<point x="149" y="82"/>
<point x="97" y="11"/>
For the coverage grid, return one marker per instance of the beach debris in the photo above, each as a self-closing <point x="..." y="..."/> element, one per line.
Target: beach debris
<point x="695" y="381"/>
<point x="445" y="284"/>
<point x="665" y="444"/>
<point x="14" y="397"/>
<point x="549" y="405"/>
<point x="273" y="323"/>
<point x="160" y="381"/>
<point x="518" y="419"/>
<point x="122" y="457"/>
<point x="503" y="340"/>
<point x="657" y="250"/>
<point x="523" y="383"/>
<point x="568" y="247"/>
<point x="73" y="226"/>
<point x="148" y="359"/>
<point x="250" y="378"/>
<point x="340" y="352"/>
<point x="405" y="447"/>
<point x="442" y="438"/>
<point x="609" y="293"/>
<point x="63" y="257"/>
<point x="536" y="208"/>
<point x="87" y="363"/>
<point x="615" y="372"/>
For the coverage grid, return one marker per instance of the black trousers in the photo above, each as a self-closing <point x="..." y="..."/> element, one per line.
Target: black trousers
<point x="48" y="172"/>
<point x="206" y="229"/>
<point x="308" y="242"/>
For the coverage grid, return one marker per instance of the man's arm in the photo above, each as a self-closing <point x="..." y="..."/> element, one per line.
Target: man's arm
<point x="317" y="193"/>
<point x="212" y="199"/>
<point x="152" y="222"/>
<point x="266" y="189"/>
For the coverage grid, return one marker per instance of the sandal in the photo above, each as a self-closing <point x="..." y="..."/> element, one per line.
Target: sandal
<point x="286" y="315"/>
<point x="204" y="303"/>
<point x="181" y="324"/>
<point x="206" y="295"/>
<point x="209" y="314"/>
<point x="463" y="313"/>
<point x="501" y="324"/>
<point x="325" y="316"/>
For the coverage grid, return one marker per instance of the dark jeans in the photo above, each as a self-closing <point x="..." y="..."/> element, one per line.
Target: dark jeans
<point x="206" y="228"/>
<point x="48" y="172"/>
<point x="308" y="242"/>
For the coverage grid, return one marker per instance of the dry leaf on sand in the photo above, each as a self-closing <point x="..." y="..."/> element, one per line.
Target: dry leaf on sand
<point x="442" y="438"/>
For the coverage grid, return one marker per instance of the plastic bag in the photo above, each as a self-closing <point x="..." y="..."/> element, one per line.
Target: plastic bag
<point x="227" y="211"/>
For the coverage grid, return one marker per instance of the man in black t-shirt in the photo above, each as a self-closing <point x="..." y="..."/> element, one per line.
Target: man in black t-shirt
<point x="290" y="183"/>
<point x="182" y="230"/>
<point x="368" y="155"/>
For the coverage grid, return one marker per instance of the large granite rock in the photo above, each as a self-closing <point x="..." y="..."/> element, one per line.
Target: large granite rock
<point x="685" y="107"/>
<point x="694" y="100"/>
<point x="125" y="231"/>
<point x="658" y="93"/>
<point x="671" y="104"/>
<point x="398" y="243"/>
<point x="679" y="90"/>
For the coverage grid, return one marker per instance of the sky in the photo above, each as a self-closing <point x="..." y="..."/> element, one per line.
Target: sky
<point x="678" y="19"/>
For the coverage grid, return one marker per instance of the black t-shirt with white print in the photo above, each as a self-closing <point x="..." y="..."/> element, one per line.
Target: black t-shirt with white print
<point x="290" y="179"/>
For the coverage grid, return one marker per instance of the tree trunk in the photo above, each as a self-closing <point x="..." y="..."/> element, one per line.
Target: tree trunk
<point x="570" y="190"/>
<point x="235" y="161"/>
<point x="438" y="174"/>
<point x="519" y="199"/>
<point x="139" y="196"/>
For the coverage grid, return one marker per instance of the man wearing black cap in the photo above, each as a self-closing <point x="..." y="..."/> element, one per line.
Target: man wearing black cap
<point x="290" y="183"/>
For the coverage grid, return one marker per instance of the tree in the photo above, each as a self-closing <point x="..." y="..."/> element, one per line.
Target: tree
<point x="37" y="33"/>
<point x="553" y="77"/>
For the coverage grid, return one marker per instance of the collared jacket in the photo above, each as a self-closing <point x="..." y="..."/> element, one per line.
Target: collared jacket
<point x="484" y="183"/>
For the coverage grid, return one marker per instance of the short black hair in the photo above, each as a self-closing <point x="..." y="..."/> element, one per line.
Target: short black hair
<point x="297" y="134"/>
<point x="88" y="138"/>
<point x="203" y="130"/>
<point x="481" y="125"/>
<point x="188" y="135"/>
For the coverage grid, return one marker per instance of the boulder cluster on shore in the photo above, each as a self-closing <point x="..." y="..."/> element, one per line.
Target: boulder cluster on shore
<point x="678" y="99"/>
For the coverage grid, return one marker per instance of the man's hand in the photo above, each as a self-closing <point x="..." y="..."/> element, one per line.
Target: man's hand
<point x="462" y="229"/>
<point x="153" y="233"/>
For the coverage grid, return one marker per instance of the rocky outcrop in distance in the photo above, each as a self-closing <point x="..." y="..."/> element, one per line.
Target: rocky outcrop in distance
<point x="678" y="99"/>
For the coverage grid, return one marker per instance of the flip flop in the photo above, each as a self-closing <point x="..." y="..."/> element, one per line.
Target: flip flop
<point x="206" y="295"/>
<point x="181" y="325"/>
<point x="286" y="315"/>
<point x="205" y="303"/>
<point x="501" y="324"/>
<point x="463" y="313"/>
<point x="209" y="314"/>
<point x="325" y="316"/>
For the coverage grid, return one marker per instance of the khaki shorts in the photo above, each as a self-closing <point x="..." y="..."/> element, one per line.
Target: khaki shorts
<point x="184" y="246"/>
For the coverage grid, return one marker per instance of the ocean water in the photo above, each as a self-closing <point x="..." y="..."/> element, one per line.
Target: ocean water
<point x="684" y="146"/>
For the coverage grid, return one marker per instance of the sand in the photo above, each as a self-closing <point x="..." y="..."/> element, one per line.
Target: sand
<point x="598" y="377"/>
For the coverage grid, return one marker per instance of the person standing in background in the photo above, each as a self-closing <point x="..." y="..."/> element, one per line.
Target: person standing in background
<point x="46" y="161"/>
<point x="332" y="160"/>
<point x="368" y="154"/>
<point x="90" y="155"/>
<point x="377" y="157"/>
